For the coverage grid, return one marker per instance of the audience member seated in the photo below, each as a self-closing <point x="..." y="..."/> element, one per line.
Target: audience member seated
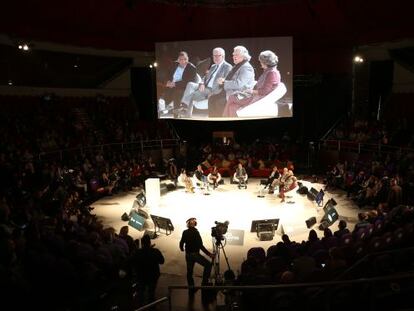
<point x="361" y="224"/>
<point x="342" y="229"/>
<point x="336" y="177"/>
<point x="395" y="194"/>
<point x="303" y="265"/>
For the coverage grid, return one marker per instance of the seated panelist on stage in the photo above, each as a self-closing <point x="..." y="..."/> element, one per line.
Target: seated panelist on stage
<point x="289" y="184"/>
<point x="279" y="181"/>
<point x="186" y="181"/>
<point x="273" y="175"/>
<point x="199" y="177"/>
<point x="209" y="84"/>
<point x="240" y="175"/>
<point x="214" y="177"/>
<point x="182" y="73"/>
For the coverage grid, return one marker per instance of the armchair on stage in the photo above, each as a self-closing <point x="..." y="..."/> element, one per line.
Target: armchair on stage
<point x="266" y="106"/>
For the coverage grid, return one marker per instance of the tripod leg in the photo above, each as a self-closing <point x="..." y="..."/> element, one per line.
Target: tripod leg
<point x="225" y="257"/>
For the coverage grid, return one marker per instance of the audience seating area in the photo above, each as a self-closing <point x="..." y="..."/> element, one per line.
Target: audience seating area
<point x="56" y="254"/>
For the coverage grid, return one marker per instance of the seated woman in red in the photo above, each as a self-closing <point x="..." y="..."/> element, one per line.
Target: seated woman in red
<point x="266" y="83"/>
<point x="289" y="184"/>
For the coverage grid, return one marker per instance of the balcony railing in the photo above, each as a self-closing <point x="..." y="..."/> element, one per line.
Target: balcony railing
<point x="140" y="146"/>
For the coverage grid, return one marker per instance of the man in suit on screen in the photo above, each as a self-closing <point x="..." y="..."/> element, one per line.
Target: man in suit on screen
<point x="209" y="84"/>
<point x="240" y="78"/>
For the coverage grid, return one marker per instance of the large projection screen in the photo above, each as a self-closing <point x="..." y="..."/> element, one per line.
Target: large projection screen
<point x="207" y="87"/>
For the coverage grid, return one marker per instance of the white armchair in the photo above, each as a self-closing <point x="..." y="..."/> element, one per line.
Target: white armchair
<point x="266" y="106"/>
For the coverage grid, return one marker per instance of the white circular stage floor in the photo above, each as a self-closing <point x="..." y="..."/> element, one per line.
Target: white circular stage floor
<point x="226" y="203"/>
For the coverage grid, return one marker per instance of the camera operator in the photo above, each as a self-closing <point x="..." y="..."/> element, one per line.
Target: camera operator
<point x="192" y="241"/>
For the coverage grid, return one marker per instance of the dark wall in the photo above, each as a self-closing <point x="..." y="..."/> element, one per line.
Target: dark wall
<point x="143" y="92"/>
<point x="380" y="83"/>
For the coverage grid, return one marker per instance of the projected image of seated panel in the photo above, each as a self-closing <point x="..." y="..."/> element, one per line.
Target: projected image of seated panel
<point x="227" y="79"/>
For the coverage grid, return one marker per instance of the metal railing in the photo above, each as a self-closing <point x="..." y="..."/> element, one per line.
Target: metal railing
<point x="323" y="286"/>
<point x="330" y="285"/>
<point x="152" y="304"/>
<point x="141" y="146"/>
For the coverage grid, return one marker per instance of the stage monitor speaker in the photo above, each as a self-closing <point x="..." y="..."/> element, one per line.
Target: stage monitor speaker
<point x="141" y="199"/>
<point x="162" y="223"/>
<point x="310" y="222"/>
<point x="331" y="215"/>
<point x="265" y="231"/>
<point x="331" y="202"/>
<point x="254" y="225"/>
<point x="312" y="194"/>
<point x="151" y="234"/>
<point x="266" y="236"/>
<point x="143" y="213"/>
<point x="125" y="217"/>
<point x="136" y="221"/>
<point x="171" y="187"/>
<point x="303" y="190"/>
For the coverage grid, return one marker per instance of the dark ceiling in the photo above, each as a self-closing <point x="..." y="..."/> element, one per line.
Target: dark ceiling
<point x="138" y="24"/>
<point x="324" y="32"/>
<point x="40" y="68"/>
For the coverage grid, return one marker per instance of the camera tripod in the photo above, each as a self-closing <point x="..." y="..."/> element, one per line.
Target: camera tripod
<point x="218" y="247"/>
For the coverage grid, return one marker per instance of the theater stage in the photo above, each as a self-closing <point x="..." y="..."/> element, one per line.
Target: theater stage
<point x="226" y="203"/>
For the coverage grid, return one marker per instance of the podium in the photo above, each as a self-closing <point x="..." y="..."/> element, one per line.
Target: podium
<point x="152" y="191"/>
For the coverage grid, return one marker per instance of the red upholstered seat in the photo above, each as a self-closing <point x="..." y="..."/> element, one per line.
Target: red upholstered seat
<point x="261" y="172"/>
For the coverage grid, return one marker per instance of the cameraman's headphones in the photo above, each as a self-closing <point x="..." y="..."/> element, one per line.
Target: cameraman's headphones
<point x="191" y="222"/>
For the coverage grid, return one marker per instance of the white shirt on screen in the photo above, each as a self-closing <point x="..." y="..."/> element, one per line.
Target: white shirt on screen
<point x="178" y="74"/>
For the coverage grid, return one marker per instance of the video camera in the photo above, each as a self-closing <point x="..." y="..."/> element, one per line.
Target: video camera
<point x="219" y="230"/>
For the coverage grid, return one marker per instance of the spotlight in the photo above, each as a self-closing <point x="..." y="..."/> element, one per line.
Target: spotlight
<point x="10" y="82"/>
<point x="23" y="46"/>
<point x="358" y="59"/>
<point x="150" y="66"/>
<point x="155" y="64"/>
